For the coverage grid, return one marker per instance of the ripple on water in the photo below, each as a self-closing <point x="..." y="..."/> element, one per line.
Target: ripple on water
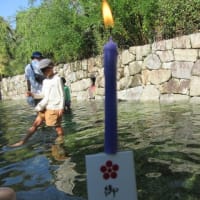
<point x="165" y="140"/>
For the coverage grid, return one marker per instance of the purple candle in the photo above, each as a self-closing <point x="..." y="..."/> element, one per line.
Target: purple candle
<point x="110" y="62"/>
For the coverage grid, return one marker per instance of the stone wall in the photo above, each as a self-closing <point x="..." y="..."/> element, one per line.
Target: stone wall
<point x="165" y="71"/>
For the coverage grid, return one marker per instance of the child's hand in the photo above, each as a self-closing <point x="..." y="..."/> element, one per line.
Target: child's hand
<point x="28" y="94"/>
<point x="60" y="112"/>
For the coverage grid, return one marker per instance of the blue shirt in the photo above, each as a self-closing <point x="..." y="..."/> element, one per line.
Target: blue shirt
<point x="36" y="88"/>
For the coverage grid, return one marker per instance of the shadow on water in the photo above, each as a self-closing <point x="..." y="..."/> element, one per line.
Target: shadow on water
<point x="165" y="140"/>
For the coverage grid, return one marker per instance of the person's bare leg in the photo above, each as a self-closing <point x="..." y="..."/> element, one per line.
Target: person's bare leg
<point x="38" y="121"/>
<point x="7" y="194"/>
<point x="59" y="130"/>
<point x="60" y="134"/>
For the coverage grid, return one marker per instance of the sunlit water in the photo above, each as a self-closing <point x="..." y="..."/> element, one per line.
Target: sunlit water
<point x="165" y="140"/>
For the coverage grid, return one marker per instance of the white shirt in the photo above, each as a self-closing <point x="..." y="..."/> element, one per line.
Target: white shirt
<point x="53" y="93"/>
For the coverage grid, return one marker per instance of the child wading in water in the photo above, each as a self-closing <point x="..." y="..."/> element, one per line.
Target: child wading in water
<point x="50" y="109"/>
<point x="92" y="88"/>
<point x="67" y="95"/>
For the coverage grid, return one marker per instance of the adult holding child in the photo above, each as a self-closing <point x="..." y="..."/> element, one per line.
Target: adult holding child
<point x="50" y="109"/>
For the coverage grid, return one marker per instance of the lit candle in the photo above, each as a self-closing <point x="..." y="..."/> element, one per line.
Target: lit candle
<point x="110" y="62"/>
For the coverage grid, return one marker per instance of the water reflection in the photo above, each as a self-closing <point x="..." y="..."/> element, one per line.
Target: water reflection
<point x="165" y="140"/>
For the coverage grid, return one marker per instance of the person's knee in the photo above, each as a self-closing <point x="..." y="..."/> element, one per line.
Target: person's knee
<point x="59" y="130"/>
<point x="38" y="121"/>
<point x="7" y="194"/>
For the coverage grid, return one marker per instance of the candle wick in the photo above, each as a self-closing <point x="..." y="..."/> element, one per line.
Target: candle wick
<point x="110" y="30"/>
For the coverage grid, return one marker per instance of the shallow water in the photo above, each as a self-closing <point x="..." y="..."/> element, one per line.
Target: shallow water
<point x="165" y="140"/>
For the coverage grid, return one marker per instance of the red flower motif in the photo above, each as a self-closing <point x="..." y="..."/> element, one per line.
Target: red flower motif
<point x="109" y="170"/>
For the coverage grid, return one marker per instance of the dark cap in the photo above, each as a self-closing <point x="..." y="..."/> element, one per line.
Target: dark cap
<point x="36" y="54"/>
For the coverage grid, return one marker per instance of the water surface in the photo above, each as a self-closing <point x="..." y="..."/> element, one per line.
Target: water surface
<point x="165" y="140"/>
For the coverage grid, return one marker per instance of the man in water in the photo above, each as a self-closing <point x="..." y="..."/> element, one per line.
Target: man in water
<point x="34" y="88"/>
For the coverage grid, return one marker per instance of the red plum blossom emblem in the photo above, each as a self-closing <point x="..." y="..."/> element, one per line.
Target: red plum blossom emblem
<point x="109" y="170"/>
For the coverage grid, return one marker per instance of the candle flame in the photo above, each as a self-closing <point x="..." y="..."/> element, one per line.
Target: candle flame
<point x="107" y="14"/>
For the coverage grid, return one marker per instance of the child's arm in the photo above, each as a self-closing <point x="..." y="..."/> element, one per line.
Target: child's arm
<point x="42" y="104"/>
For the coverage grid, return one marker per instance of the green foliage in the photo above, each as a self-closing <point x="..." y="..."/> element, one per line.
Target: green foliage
<point x="6" y="46"/>
<point x="177" y="18"/>
<point x="59" y="29"/>
<point x="135" y="25"/>
<point x="69" y="30"/>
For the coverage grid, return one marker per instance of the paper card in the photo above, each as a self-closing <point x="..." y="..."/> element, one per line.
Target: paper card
<point x="111" y="177"/>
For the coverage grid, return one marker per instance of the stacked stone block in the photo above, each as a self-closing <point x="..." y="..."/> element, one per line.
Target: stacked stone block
<point x="164" y="71"/>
